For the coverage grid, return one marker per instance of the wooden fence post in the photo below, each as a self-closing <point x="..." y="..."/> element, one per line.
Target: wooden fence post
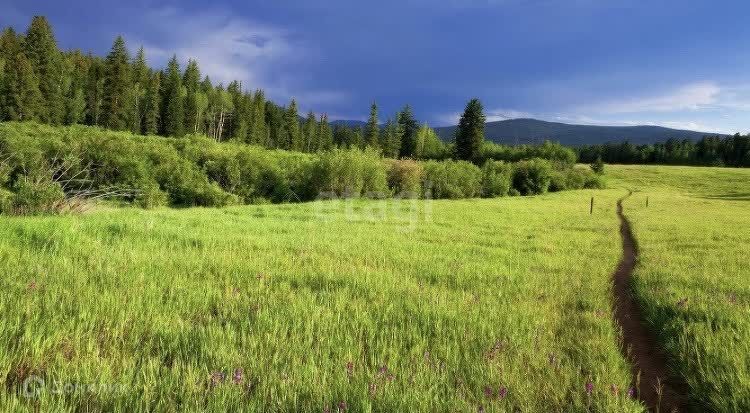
<point x="591" y="210"/>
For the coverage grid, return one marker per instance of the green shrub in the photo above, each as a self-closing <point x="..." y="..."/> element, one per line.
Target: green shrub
<point x="38" y="195"/>
<point x="496" y="178"/>
<point x="574" y="178"/>
<point x="452" y="179"/>
<point x="151" y="197"/>
<point x="189" y="186"/>
<point x="6" y="201"/>
<point x="349" y="172"/>
<point x="532" y="177"/>
<point x="405" y="177"/>
<point x="153" y="171"/>
<point x="598" y="166"/>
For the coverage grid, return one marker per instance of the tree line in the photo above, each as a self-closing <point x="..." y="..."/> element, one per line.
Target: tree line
<point x="709" y="151"/>
<point x="39" y="82"/>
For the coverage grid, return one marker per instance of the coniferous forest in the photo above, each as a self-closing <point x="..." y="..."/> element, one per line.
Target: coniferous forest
<point x="121" y="92"/>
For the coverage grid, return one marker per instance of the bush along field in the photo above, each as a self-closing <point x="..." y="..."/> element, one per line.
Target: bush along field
<point x="693" y="278"/>
<point x="46" y="169"/>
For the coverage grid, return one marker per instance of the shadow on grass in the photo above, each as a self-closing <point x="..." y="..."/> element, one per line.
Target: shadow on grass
<point x="730" y="196"/>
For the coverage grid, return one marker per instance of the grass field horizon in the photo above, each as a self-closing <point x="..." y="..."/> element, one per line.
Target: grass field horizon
<point x="463" y="305"/>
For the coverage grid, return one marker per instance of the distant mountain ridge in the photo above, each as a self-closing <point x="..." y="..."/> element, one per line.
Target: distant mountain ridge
<point x="349" y="123"/>
<point x="525" y="131"/>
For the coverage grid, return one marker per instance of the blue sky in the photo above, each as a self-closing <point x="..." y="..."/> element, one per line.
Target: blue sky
<point x="682" y="64"/>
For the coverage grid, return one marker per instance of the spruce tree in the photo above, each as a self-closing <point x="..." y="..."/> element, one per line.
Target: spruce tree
<point x="358" y="138"/>
<point x="259" y="132"/>
<point x="325" y="134"/>
<point x="20" y="98"/>
<point x="206" y="109"/>
<point x="310" y="131"/>
<point x="191" y="82"/>
<point x="151" y="104"/>
<point x="371" y="131"/>
<point x="409" y="126"/>
<point x="470" y="131"/>
<point x="140" y="80"/>
<point x="277" y="132"/>
<point x="291" y="124"/>
<point x="74" y="90"/>
<point x="116" y="99"/>
<point x="42" y="53"/>
<point x="173" y="115"/>
<point x="10" y="45"/>
<point x="391" y="139"/>
<point x="94" y="91"/>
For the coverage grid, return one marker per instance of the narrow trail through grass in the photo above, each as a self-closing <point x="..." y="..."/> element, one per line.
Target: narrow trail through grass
<point x="656" y="388"/>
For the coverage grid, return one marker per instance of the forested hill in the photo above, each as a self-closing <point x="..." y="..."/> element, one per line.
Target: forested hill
<point x="520" y="131"/>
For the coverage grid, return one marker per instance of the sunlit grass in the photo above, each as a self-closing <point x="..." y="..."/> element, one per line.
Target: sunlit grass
<point x="693" y="278"/>
<point x="500" y="304"/>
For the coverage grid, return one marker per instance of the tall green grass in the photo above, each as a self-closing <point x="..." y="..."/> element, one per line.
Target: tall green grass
<point x="501" y="305"/>
<point x="693" y="277"/>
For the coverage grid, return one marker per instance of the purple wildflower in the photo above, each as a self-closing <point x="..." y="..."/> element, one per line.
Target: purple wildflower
<point x="589" y="388"/>
<point x="631" y="393"/>
<point x="342" y="406"/>
<point x="238" y="376"/>
<point x="502" y="392"/>
<point x="488" y="392"/>
<point x="382" y="370"/>
<point x="481" y="409"/>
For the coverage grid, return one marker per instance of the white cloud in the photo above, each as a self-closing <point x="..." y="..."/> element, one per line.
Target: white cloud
<point x="694" y="96"/>
<point x="230" y="48"/>
<point x="491" y="115"/>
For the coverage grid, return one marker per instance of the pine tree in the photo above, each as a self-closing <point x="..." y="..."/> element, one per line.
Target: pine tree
<point x="44" y="57"/>
<point x="140" y="80"/>
<point x="151" y="104"/>
<point x="235" y="127"/>
<point x="94" y="91"/>
<point x="74" y="89"/>
<point x="206" y="109"/>
<point x="470" y="131"/>
<point x="259" y="132"/>
<point x="291" y="124"/>
<point x="325" y="134"/>
<point x="372" y="131"/>
<point x="358" y="139"/>
<point x="20" y="98"/>
<point x="173" y="115"/>
<point x="116" y="100"/>
<point x="10" y="45"/>
<point x="277" y="133"/>
<point x="410" y="127"/>
<point x="310" y="130"/>
<point x="391" y="139"/>
<point x="191" y="82"/>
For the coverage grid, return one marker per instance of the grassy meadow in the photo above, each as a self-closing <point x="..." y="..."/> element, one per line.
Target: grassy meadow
<point x="693" y="277"/>
<point x="499" y="305"/>
<point x="461" y="305"/>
